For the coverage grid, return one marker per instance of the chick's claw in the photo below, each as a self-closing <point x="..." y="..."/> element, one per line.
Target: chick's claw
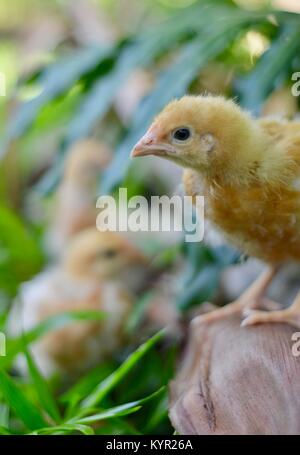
<point x="287" y="316"/>
<point x="220" y="313"/>
<point x="241" y="306"/>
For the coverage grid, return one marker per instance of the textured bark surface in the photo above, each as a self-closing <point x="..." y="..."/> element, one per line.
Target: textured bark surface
<point x="235" y="380"/>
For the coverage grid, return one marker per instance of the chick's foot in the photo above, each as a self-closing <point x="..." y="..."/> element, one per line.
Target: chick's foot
<point x="252" y="298"/>
<point x="240" y="306"/>
<point x="289" y="316"/>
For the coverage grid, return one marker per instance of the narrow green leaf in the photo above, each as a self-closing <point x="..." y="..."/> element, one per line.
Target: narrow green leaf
<point x="117" y="426"/>
<point x="138" y="312"/>
<point x="42" y="390"/>
<point x="24" y="409"/>
<point x="66" y="429"/>
<point x="201" y="288"/>
<point x="20" y="254"/>
<point x="140" y="53"/>
<point x="120" y="411"/>
<point x="55" y="80"/>
<point x="5" y="431"/>
<point x="225" y="255"/>
<point x="4" y="415"/>
<point x="159" y="414"/>
<point x="270" y="69"/>
<point x="109" y="383"/>
<point x="86" y="384"/>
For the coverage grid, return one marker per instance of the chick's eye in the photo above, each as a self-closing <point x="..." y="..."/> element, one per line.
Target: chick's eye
<point x="109" y="254"/>
<point x="182" y="134"/>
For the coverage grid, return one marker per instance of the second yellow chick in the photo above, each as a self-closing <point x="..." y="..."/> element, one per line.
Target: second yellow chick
<point x="100" y="272"/>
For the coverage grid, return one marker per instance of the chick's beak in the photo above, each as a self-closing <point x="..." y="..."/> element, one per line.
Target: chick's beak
<point x="150" y="144"/>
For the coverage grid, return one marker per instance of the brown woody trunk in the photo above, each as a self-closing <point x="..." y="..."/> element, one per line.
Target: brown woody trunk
<point x="235" y="380"/>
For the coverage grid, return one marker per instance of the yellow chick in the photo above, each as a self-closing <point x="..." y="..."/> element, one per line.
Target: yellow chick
<point x="281" y="103"/>
<point x="99" y="271"/>
<point x="249" y="172"/>
<point x="75" y="207"/>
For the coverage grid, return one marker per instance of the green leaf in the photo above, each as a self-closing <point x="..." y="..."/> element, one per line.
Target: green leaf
<point x="42" y="390"/>
<point x="202" y="272"/>
<point x="4" y="415"/>
<point x="117" y="426"/>
<point x="66" y="429"/>
<point x="55" y="80"/>
<point x="23" y="408"/>
<point x="86" y="384"/>
<point x="109" y="383"/>
<point x="225" y="255"/>
<point x="120" y="411"/>
<point x="139" y="53"/>
<point x="200" y="288"/>
<point x="20" y="255"/>
<point x="137" y="312"/>
<point x="158" y="415"/>
<point x="271" y="68"/>
<point x="5" y="431"/>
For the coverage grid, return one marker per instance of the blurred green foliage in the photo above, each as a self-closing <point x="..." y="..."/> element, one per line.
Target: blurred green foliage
<point x="199" y="34"/>
<point x="83" y="405"/>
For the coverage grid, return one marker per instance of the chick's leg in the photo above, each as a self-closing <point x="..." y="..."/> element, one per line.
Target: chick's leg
<point x="289" y="315"/>
<point x="251" y="298"/>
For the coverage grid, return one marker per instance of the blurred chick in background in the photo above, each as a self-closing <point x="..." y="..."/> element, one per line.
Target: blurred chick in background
<point x="99" y="271"/>
<point x="75" y="204"/>
<point x="281" y="103"/>
<point x="249" y="172"/>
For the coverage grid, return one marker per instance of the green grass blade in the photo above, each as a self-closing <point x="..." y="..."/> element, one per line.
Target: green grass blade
<point x="109" y="383"/>
<point x="117" y="426"/>
<point x="66" y="429"/>
<point x="23" y="408"/>
<point x="5" y="431"/>
<point x="86" y="384"/>
<point x="159" y="414"/>
<point x="120" y="411"/>
<point x="42" y="390"/>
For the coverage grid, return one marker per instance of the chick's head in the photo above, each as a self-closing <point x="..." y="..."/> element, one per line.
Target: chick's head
<point x="101" y="255"/>
<point x="205" y="133"/>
